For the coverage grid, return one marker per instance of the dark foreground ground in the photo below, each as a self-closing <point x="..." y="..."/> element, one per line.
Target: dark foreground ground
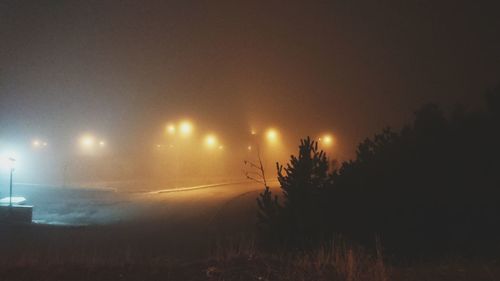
<point x="204" y="234"/>
<point x="241" y="269"/>
<point x="103" y="254"/>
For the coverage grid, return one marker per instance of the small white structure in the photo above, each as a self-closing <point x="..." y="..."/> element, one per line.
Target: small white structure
<point x="15" y="200"/>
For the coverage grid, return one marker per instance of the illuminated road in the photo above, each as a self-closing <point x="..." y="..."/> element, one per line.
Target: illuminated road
<point x="216" y="206"/>
<point x="197" y="187"/>
<point x="208" y="204"/>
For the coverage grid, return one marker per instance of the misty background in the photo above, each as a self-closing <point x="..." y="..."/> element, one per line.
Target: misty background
<point x="122" y="70"/>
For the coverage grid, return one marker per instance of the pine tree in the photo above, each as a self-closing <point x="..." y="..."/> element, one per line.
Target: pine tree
<point x="305" y="175"/>
<point x="303" y="182"/>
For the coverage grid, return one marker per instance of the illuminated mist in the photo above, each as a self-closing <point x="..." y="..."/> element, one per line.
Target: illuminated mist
<point x="96" y="92"/>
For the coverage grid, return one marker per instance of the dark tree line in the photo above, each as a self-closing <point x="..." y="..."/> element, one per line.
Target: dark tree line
<point x="431" y="187"/>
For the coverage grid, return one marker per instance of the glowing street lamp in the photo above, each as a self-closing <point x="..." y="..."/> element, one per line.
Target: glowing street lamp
<point x="171" y="129"/>
<point x="87" y="141"/>
<point x="272" y="135"/>
<point x="210" y="141"/>
<point x="90" y="144"/>
<point x="186" y="128"/>
<point x="36" y="143"/>
<point x="326" y="140"/>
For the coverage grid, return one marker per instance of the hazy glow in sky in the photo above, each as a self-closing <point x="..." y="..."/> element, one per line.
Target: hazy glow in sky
<point x="125" y="69"/>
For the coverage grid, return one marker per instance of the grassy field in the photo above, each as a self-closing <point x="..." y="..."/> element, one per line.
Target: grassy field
<point x="156" y="251"/>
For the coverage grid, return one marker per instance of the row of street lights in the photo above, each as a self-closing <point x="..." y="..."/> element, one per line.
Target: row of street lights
<point x="185" y="129"/>
<point x="89" y="141"/>
<point x="36" y="143"/>
<point x="86" y="141"/>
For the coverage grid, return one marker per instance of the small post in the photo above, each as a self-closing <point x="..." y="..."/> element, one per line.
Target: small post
<point x="10" y="192"/>
<point x="12" y="163"/>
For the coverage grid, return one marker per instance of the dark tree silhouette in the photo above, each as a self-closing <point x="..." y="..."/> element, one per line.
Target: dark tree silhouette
<point x="302" y="182"/>
<point x="431" y="187"/>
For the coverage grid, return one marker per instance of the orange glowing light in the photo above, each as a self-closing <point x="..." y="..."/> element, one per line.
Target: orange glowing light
<point x="186" y="128"/>
<point x="326" y="140"/>
<point x="272" y="135"/>
<point x="171" y="129"/>
<point x="210" y="141"/>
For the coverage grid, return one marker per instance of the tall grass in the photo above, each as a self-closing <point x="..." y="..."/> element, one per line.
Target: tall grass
<point x="230" y="259"/>
<point x="333" y="261"/>
<point x="238" y="258"/>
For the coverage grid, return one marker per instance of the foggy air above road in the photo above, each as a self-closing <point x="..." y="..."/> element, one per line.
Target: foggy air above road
<point x="122" y="71"/>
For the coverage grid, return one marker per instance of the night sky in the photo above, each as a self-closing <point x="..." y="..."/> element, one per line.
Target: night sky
<point x="125" y="68"/>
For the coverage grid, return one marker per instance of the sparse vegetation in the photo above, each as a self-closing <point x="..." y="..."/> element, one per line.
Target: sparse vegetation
<point x="229" y="259"/>
<point x="232" y="259"/>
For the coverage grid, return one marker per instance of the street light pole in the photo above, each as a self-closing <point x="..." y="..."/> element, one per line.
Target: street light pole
<point x="12" y="161"/>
